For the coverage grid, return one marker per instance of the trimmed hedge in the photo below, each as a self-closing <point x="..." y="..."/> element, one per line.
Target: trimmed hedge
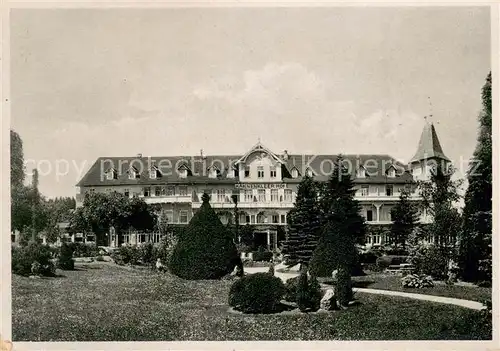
<point x="83" y="250"/>
<point x="385" y="261"/>
<point x="256" y="293"/>
<point x="262" y="255"/>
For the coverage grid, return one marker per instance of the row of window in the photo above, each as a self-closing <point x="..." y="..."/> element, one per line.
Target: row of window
<point x="182" y="190"/>
<point x="389" y="190"/>
<point x="154" y="173"/>
<point x="261" y="219"/>
<point x="183" y="216"/>
<point x="248" y="196"/>
<point x="213" y="173"/>
<point x="370" y="216"/>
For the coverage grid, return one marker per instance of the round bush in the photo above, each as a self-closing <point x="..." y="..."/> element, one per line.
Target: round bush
<point x="256" y="293"/>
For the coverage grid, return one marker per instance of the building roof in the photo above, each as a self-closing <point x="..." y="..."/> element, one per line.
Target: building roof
<point x="322" y="165"/>
<point x="429" y="146"/>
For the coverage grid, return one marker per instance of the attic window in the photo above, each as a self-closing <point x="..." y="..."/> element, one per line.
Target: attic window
<point x="295" y="173"/>
<point x="133" y="174"/>
<point x="361" y="172"/>
<point x="309" y="172"/>
<point x="111" y="174"/>
<point x="213" y="172"/>
<point x="391" y="172"/>
<point x="183" y="173"/>
<point x="153" y="173"/>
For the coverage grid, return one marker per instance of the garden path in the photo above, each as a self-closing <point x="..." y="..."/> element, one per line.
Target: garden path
<point x="440" y="299"/>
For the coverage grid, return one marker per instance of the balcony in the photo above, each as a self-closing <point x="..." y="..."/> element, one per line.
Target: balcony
<point x="243" y="205"/>
<point x="383" y="197"/>
<point x="166" y="199"/>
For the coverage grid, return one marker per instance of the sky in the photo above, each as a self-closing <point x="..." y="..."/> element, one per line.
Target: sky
<point x="87" y="83"/>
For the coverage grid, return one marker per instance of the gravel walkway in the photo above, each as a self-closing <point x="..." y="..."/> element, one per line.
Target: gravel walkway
<point x="432" y="298"/>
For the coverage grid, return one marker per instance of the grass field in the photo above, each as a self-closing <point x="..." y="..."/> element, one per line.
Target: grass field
<point x="104" y="302"/>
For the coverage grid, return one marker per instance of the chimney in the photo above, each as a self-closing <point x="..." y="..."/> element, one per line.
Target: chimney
<point x="285" y="155"/>
<point x="201" y="154"/>
<point x="139" y="155"/>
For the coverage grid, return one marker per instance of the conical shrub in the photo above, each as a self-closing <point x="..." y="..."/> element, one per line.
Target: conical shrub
<point x="205" y="250"/>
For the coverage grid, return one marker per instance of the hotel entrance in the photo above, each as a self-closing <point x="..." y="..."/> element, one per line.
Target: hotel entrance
<point x="265" y="239"/>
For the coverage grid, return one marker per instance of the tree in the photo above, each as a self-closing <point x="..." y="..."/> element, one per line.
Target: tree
<point x="304" y="224"/>
<point x="57" y="210"/>
<point x="206" y="249"/>
<point x="21" y="206"/>
<point x="475" y="241"/>
<point x="38" y="212"/>
<point x="16" y="160"/>
<point x="343" y="228"/>
<point x="439" y="195"/>
<point x="101" y="211"/>
<point x="237" y="237"/>
<point x="246" y="235"/>
<point x="404" y="218"/>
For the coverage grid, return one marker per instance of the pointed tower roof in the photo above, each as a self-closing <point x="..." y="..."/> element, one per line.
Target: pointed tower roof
<point x="429" y="146"/>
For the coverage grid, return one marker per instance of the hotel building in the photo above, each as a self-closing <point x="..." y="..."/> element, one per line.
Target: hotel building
<point x="263" y="182"/>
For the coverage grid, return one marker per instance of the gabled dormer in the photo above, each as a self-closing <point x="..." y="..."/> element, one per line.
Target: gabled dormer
<point x="310" y="172"/>
<point x="361" y="172"/>
<point x="154" y="172"/>
<point x="133" y="173"/>
<point x="259" y="148"/>
<point x="391" y="171"/>
<point x="111" y="174"/>
<point x="233" y="171"/>
<point x="183" y="171"/>
<point x="294" y="172"/>
<point x="214" y="171"/>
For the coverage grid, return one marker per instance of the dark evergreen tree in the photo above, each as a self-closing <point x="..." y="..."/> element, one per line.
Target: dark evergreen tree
<point x="404" y="218"/>
<point x="343" y="226"/>
<point x="16" y="160"/>
<point x="304" y="224"/>
<point x="439" y="195"/>
<point x="65" y="260"/>
<point x="475" y="243"/>
<point x="206" y="249"/>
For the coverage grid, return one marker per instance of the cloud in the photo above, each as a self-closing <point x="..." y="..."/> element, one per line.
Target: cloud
<point x="287" y="106"/>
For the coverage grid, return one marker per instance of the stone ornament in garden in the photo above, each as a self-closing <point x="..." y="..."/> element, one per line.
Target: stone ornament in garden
<point x="334" y="275"/>
<point x="328" y="302"/>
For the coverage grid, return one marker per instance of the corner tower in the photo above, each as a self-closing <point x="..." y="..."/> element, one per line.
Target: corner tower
<point x="429" y="154"/>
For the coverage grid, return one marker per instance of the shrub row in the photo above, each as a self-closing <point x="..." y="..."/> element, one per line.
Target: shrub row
<point x="146" y="254"/>
<point x="262" y="255"/>
<point x="83" y="250"/>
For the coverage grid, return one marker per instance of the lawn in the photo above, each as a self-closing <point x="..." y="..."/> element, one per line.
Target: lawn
<point x="104" y="302"/>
